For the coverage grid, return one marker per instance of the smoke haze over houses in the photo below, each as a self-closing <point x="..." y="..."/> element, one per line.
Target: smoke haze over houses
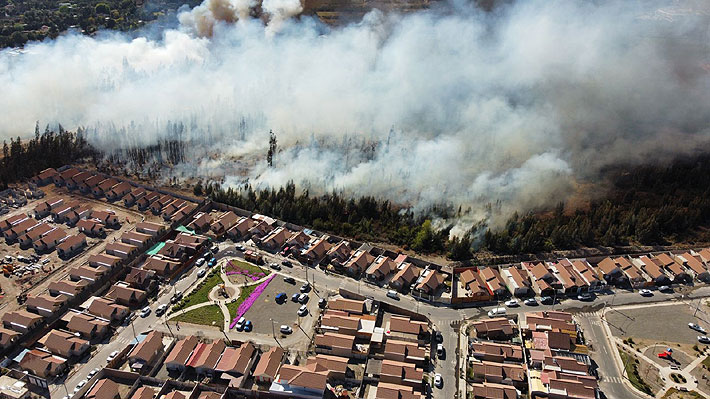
<point x="451" y="105"/>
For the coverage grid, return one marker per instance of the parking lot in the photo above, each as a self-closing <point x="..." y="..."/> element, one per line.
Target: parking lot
<point x="656" y="323"/>
<point x="266" y="309"/>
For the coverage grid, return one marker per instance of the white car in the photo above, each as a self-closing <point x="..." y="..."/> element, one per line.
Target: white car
<point x="303" y="310"/>
<point x="530" y="302"/>
<point x="93" y="372"/>
<point x="497" y="312"/>
<point x="201" y="273"/>
<point x="438" y="381"/>
<point x="303" y="298"/>
<point x="145" y="311"/>
<point x="286" y="329"/>
<point x="240" y="324"/>
<point x="512" y="303"/>
<point x="697" y="328"/>
<point x="703" y="339"/>
<point x="80" y="385"/>
<point x="161" y="309"/>
<point x="645" y="292"/>
<point x="200" y="262"/>
<point x="111" y="356"/>
<point x="392" y="294"/>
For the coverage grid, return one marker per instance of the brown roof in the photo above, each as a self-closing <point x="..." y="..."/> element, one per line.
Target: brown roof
<point x="498" y="324"/>
<point x="406" y="325"/>
<point x="489" y="390"/>
<point x="431" y="281"/>
<point x="71" y="241"/>
<point x="608" y="266"/>
<point x="521" y="280"/>
<point x="182" y="350"/>
<point x="335" y="340"/>
<point x="694" y="263"/>
<point x="406" y="274"/>
<point x="147" y="226"/>
<point x="105" y="260"/>
<point x="143" y="393"/>
<point x="103" y="389"/>
<point x="41" y="363"/>
<point x="21" y="318"/>
<point x="68" y="287"/>
<point x="104" y="308"/>
<point x="120" y="247"/>
<point x="236" y="360"/>
<point x="61" y="343"/>
<point x="382" y="265"/>
<point x="83" y="323"/>
<point x="395" y="391"/>
<point x="269" y="362"/>
<point x="7" y="336"/>
<point x="514" y="372"/>
<point x="135" y="238"/>
<point x="347" y="305"/>
<point x="207" y="355"/>
<point x="120" y="292"/>
<point x="147" y="348"/>
<point x="46" y="301"/>
<point x="38" y="231"/>
<point x="405" y="371"/>
<point x="159" y="265"/>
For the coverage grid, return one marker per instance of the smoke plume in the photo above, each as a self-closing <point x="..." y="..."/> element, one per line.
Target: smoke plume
<point x="451" y="105"/>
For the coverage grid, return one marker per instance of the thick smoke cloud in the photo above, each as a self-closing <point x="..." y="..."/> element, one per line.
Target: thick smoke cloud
<point x="453" y="105"/>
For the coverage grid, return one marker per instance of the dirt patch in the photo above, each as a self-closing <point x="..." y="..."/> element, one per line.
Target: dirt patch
<point x="676" y="394"/>
<point x="680" y="358"/>
<point x="702" y="375"/>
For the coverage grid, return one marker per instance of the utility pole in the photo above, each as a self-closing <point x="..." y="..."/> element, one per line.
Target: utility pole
<point x="134" y="331"/>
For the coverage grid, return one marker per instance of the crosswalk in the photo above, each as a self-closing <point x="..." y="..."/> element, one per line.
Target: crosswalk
<point x="614" y="380"/>
<point x="124" y="340"/>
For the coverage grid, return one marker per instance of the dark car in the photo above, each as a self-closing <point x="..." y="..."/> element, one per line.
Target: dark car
<point x="281" y="297"/>
<point x="322" y="303"/>
<point x="248" y="326"/>
<point x="547" y="300"/>
<point x="585" y="296"/>
<point x="286" y="263"/>
<point x="215" y="249"/>
<point x="305" y="287"/>
<point x="294" y="297"/>
<point x="290" y="280"/>
<point x="439" y="337"/>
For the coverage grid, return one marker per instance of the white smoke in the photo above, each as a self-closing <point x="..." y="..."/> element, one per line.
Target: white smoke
<point x="464" y="107"/>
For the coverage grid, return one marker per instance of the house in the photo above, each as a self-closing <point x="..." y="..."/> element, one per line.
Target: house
<point x="396" y="391"/>
<point x="404" y="351"/>
<point x="173" y="250"/>
<point x="236" y="361"/>
<point x="63" y="177"/>
<point x="572" y="281"/>
<point x="258" y="229"/>
<point x="316" y="250"/>
<point x="653" y="270"/>
<point x="75" y="215"/>
<point x="611" y="271"/>
<point x="395" y="372"/>
<point x="103" y="389"/>
<point x="494" y="281"/>
<point x="88" y="326"/>
<point x="380" y="268"/>
<point x="60" y="213"/>
<point x="310" y="379"/>
<point x="406" y="275"/>
<point x="671" y="267"/>
<point x="64" y="344"/>
<point x="298" y="239"/>
<point x="205" y="357"/>
<point x="145" y="201"/>
<point x="104" y="261"/>
<point x="118" y="191"/>
<point x="559" y="385"/>
<point x="268" y="365"/>
<point x="21" y="320"/>
<point x="335" y="344"/>
<point x="34" y="234"/>
<point x="71" y="245"/>
<point x="42" y="209"/>
<point x="91" y="227"/>
<point x="489" y="390"/>
<point x="102" y="188"/>
<point x="123" y="251"/>
<point x="182" y="213"/>
<point x="696" y="264"/>
<point x="152" y="229"/>
<point x="14" y="232"/>
<point x="339" y="253"/>
<point x="79" y="178"/>
<point x="158" y="205"/>
<point x="125" y="295"/>
<point x="180" y="354"/>
<point x="406" y="328"/>
<point x="8" y="223"/>
<point x="162" y="267"/>
<point x="497" y="352"/>
<point x="632" y="273"/>
<point x="500" y="373"/>
<point x="544" y="282"/>
<point x="45" y="304"/>
<point x="275" y="239"/>
<point x="8" y="337"/>
<point x="140" y="278"/>
<point x="351" y="306"/>
<point x="174" y="206"/>
<point x="133" y="196"/>
<point x="139" y="240"/>
<point x="67" y="287"/>
<point x="358" y="262"/>
<point x="201" y="222"/>
<point x="43" y="364"/>
<point x="87" y="273"/>
<point x="45" y="177"/>
<point x="144" y="392"/>
<point x="499" y="328"/>
<point x="50" y="240"/>
<point x="474" y="285"/>
<point x="429" y="282"/>
<point x="343" y="323"/>
<point x="146" y="353"/>
<point x="88" y="185"/>
<point x="107" y="309"/>
<point x="108" y="218"/>
<point x="518" y="282"/>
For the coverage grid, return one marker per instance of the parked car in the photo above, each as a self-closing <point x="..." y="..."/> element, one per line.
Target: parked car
<point x="93" y="372"/>
<point x="212" y="262"/>
<point x="438" y="381"/>
<point x="176" y="297"/>
<point x="248" y="326"/>
<point x="275" y="266"/>
<point x="201" y="273"/>
<point x="439" y="338"/>
<point x="145" y="311"/>
<point x="215" y="249"/>
<point x="496" y="312"/>
<point x="440" y="350"/>
<point x="665" y="288"/>
<point x="111" y="356"/>
<point x="697" y="328"/>
<point x="703" y="339"/>
<point x="290" y="280"/>
<point x="44" y="261"/>
<point x="287" y="263"/>
<point x="547" y="300"/>
<point x="645" y="292"/>
<point x="286" y="329"/>
<point x="530" y="302"/>
<point x="200" y="262"/>
<point x="512" y="303"/>
<point x="80" y="385"/>
<point x="240" y="248"/>
<point x="281" y="297"/>
<point x="295" y="296"/>
<point x="303" y="310"/>
<point x="585" y="296"/>
<point x="393" y="294"/>
<point x="284" y="251"/>
<point x="303" y="298"/>
<point x="305" y="287"/>
<point x="322" y="303"/>
<point x="161" y="309"/>
<point x="240" y="324"/>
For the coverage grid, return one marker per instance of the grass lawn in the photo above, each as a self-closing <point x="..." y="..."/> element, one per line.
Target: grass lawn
<point x="243" y="294"/>
<point x="676" y="394"/>
<point x="204" y="315"/>
<point x="633" y="374"/>
<point x="253" y="269"/>
<point x="706" y="362"/>
<point x="200" y="294"/>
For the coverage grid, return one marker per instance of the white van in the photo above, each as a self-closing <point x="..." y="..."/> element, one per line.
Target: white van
<point x="496" y="312"/>
<point x="393" y="294"/>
